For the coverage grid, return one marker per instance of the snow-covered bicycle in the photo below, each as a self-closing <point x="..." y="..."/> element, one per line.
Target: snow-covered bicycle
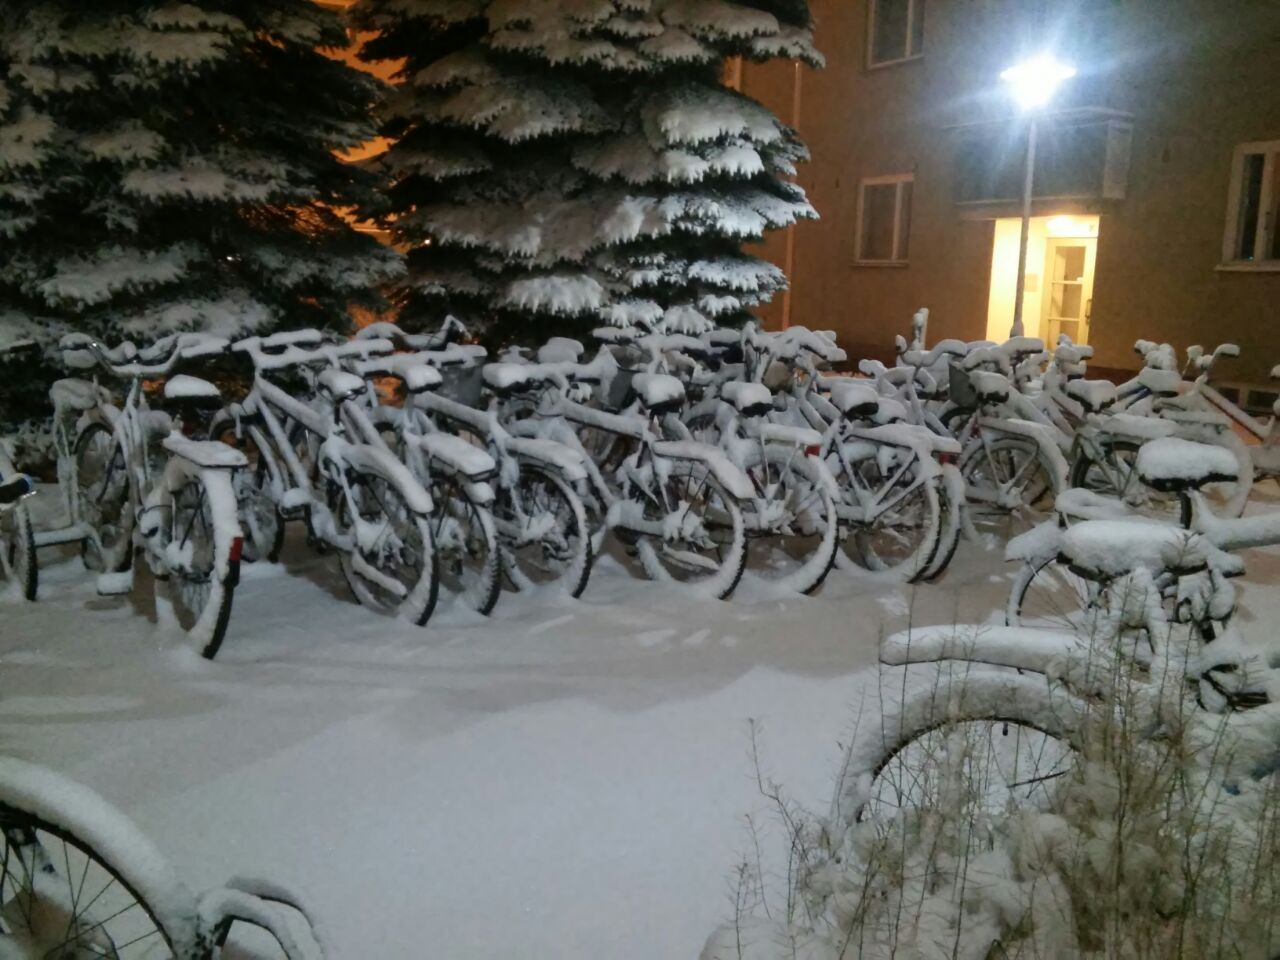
<point x="538" y="512"/>
<point x="678" y="502"/>
<point x="138" y="481"/>
<point x="323" y="460"/>
<point x="78" y="881"/>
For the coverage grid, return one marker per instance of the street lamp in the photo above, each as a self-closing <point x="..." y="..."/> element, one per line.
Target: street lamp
<point x="1033" y="84"/>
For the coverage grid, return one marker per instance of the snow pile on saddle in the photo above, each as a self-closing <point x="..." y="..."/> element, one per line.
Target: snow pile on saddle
<point x="1171" y="462"/>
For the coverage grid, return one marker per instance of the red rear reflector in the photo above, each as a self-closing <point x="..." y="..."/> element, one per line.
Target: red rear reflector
<point x="948" y="458"/>
<point x="237" y="549"/>
<point x="812" y="451"/>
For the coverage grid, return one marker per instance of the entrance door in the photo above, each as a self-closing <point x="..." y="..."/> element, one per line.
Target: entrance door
<point x="1068" y="292"/>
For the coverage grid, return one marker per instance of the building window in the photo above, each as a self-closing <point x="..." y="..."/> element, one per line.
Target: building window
<point x="895" y="31"/>
<point x="1253" y="212"/>
<point x="884" y="218"/>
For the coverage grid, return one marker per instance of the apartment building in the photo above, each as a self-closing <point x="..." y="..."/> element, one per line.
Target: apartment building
<point x="1157" y="184"/>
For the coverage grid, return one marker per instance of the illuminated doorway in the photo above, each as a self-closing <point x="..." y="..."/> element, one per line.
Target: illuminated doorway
<point x="1062" y="252"/>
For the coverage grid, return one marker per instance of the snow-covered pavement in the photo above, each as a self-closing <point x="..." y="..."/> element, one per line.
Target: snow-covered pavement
<point x="567" y="779"/>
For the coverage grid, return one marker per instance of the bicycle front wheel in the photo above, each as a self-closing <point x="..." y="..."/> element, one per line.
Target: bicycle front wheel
<point x="903" y="533"/>
<point x="542" y="524"/>
<point x="61" y="898"/>
<point x="18" y="552"/>
<point x="704" y="537"/>
<point x="466" y="544"/>
<point x="792" y="525"/>
<point x="390" y="561"/>
<point x="1009" y="484"/>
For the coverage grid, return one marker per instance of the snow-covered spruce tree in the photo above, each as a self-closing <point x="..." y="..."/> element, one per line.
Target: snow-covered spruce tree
<point x="559" y="163"/>
<point x="168" y="166"/>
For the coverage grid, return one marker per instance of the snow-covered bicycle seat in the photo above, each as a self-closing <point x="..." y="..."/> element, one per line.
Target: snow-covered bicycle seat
<point x="508" y="378"/>
<point x="413" y="369"/>
<point x="855" y="400"/>
<point x="990" y="387"/>
<point x="561" y="350"/>
<point x="1094" y="396"/>
<point x="338" y="385"/>
<point x="1172" y="464"/>
<point x="72" y="393"/>
<point x="658" y="392"/>
<point x="1019" y="348"/>
<point x="749" y="399"/>
<point x="185" y="391"/>
<point x="1107" y="549"/>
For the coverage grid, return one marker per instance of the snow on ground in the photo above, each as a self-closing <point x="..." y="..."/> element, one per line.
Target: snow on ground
<point x="565" y="780"/>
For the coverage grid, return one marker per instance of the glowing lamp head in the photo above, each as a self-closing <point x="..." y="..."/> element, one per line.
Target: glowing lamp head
<point x="1034" y="82"/>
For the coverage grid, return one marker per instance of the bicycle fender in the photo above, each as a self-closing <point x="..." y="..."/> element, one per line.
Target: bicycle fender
<point x="724" y="469"/>
<point x="551" y="454"/>
<point x="209" y="454"/>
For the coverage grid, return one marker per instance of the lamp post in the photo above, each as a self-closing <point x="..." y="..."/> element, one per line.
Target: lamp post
<point x="1032" y="83"/>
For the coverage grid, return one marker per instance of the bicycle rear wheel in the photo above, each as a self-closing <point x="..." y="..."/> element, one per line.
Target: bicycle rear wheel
<point x="201" y="582"/>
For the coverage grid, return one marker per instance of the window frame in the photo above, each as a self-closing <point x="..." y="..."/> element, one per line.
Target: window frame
<point x="1267" y="236"/>
<point x="896" y="179"/>
<point x="915" y="8"/>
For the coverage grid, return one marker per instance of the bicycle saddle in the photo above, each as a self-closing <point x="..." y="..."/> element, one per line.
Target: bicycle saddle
<point x="1079" y="503"/>
<point x="413" y="369"/>
<point x="1107" y="549"/>
<point x="338" y="385"/>
<point x="191" y="393"/>
<point x="1019" y="348"/>
<point x="14" y="489"/>
<point x="750" y="399"/>
<point x="658" y="392"/>
<point x="990" y="387"/>
<point x="1094" y="396"/>
<point x="856" y="401"/>
<point x="71" y="393"/>
<point x="560" y="350"/>
<point x="1172" y="464"/>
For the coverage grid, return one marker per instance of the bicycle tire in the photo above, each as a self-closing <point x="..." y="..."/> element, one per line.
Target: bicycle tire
<point x="1026" y="700"/>
<point x="574" y="574"/>
<point x="259" y="512"/>
<point x="808" y="574"/>
<point x="118" y="556"/>
<point x="18" y="551"/>
<point x="33" y="802"/>
<point x="663" y="564"/>
<point x="202" y="596"/>
<point x="858" y="552"/>
<point x="421" y="594"/>
<point x="981" y="453"/>
<point x="454" y="507"/>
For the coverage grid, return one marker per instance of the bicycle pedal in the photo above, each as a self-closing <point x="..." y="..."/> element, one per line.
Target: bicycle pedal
<point x="115" y="584"/>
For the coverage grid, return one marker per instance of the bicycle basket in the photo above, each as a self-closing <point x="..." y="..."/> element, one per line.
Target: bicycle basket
<point x="462" y="384"/>
<point x="960" y="387"/>
<point x="619" y="391"/>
